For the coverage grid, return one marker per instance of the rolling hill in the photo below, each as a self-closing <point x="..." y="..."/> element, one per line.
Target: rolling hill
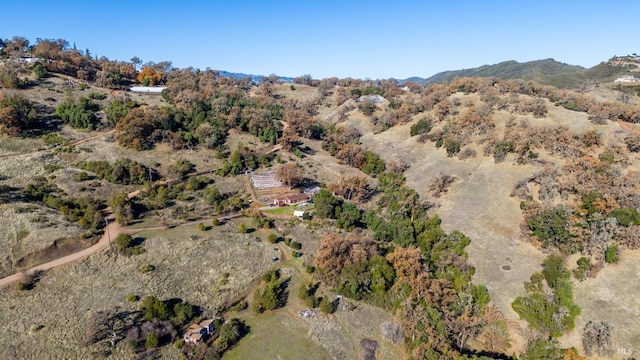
<point x="547" y="71"/>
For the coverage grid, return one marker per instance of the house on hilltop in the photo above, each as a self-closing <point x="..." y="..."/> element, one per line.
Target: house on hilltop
<point x="147" y="89"/>
<point x="197" y="332"/>
<point x="626" y="79"/>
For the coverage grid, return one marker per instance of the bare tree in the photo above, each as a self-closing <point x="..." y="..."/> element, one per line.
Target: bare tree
<point x="597" y="339"/>
<point x="441" y="183"/>
<point x="289" y="174"/>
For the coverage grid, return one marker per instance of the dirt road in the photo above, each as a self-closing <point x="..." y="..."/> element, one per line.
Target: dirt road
<point x="628" y="127"/>
<point x="77" y="142"/>
<point x="111" y="231"/>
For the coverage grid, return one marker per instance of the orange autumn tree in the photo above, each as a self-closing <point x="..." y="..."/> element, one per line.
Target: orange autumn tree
<point x="149" y="76"/>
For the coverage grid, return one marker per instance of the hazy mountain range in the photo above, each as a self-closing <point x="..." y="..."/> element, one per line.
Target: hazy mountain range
<point x="547" y="71"/>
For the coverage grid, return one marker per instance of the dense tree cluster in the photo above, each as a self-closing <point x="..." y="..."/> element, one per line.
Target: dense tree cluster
<point x="342" y="143"/>
<point x="424" y="274"/>
<point x="550" y="315"/>
<point x="85" y="211"/>
<point x="122" y="171"/>
<point x="79" y="113"/>
<point x="273" y="295"/>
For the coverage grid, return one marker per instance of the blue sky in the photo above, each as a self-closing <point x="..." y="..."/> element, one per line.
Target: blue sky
<point x="360" y="39"/>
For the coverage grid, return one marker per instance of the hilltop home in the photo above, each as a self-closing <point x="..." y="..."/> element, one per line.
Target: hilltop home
<point x="147" y="89"/>
<point x="626" y="79"/>
<point x="197" y="332"/>
<point x="290" y="199"/>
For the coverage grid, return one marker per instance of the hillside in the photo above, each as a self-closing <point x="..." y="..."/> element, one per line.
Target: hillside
<point x="507" y="70"/>
<point x="549" y="72"/>
<point x="482" y="219"/>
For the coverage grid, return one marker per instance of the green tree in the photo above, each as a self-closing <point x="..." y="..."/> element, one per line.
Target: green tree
<point x="152" y="341"/>
<point x="16" y="114"/>
<point x="554" y="271"/>
<point x="611" y="254"/>
<point x="349" y="217"/>
<point x="78" y="113"/>
<point x="229" y="334"/>
<point x="123" y="241"/>
<point x="423" y="126"/>
<point x="452" y="146"/>
<point x="326" y="305"/>
<point x="118" y="109"/>
<point x="551" y="226"/>
<point x="325" y="204"/>
<point x="39" y="71"/>
<point x="626" y="216"/>
<point x="373" y="164"/>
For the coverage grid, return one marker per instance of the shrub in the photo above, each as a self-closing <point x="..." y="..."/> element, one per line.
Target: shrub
<point x="272" y="238"/>
<point x="633" y="143"/>
<point x="611" y="254"/>
<point x="423" y="126"/>
<point x="608" y="158"/>
<point x="295" y="245"/>
<point x="78" y="113"/>
<point x="82" y="176"/>
<point x="242" y="228"/>
<point x="584" y="266"/>
<point x="326" y="306"/>
<point x="123" y="241"/>
<point x="152" y="341"/>
<point x="132" y="298"/>
<point x="216" y="222"/>
<point x="53" y="139"/>
<point x="118" y="109"/>
<point x="145" y="268"/>
<point x="22" y="286"/>
<point x="39" y="71"/>
<point x="311" y="302"/>
<point x="179" y="344"/>
<point x="240" y="306"/>
<point x="51" y="167"/>
<point x="502" y="148"/>
<point x="97" y="96"/>
<point x="551" y="226"/>
<point x="626" y="216"/>
<point x="202" y="227"/>
<point x="452" y="146"/>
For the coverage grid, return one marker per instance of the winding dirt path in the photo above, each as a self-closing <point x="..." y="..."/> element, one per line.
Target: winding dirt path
<point x="628" y="127"/>
<point x="77" y="142"/>
<point x="112" y="230"/>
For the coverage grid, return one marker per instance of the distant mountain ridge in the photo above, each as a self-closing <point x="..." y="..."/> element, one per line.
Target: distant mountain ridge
<point x="505" y="70"/>
<point x="547" y="71"/>
<point x="254" y="78"/>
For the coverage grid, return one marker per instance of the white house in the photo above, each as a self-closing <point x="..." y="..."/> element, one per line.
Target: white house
<point x="626" y="79"/>
<point x="147" y="89"/>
